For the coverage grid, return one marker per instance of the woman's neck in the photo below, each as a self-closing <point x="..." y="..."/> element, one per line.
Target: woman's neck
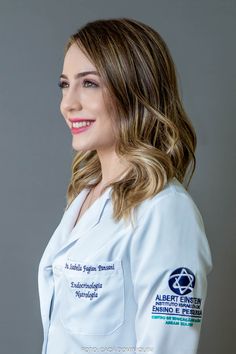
<point x="113" y="167"/>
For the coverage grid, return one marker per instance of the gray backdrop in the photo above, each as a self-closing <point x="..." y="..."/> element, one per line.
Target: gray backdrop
<point x="35" y="144"/>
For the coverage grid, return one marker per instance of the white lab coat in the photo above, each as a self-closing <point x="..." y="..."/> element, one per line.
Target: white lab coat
<point x="107" y="288"/>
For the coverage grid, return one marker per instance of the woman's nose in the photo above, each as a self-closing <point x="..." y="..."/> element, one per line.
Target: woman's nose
<point x="71" y="101"/>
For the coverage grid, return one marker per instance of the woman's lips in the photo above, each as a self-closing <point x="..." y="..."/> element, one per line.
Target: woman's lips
<point x="81" y="129"/>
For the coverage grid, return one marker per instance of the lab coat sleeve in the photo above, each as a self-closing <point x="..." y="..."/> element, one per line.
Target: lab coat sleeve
<point x="170" y="259"/>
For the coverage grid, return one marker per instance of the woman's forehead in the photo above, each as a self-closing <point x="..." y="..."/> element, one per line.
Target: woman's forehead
<point x="76" y="59"/>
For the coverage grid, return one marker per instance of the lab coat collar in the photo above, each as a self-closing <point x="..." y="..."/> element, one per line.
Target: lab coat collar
<point x="92" y="216"/>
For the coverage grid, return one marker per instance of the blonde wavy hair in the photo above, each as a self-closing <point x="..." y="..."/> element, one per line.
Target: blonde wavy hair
<point x="154" y="132"/>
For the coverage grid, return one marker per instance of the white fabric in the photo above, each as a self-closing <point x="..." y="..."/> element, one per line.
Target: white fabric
<point x="105" y="287"/>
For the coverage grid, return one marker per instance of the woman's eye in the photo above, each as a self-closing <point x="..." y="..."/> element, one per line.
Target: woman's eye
<point x="61" y="84"/>
<point x="86" y="83"/>
<point x="91" y="84"/>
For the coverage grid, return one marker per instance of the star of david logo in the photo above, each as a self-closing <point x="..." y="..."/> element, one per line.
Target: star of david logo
<point x="182" y="281"/>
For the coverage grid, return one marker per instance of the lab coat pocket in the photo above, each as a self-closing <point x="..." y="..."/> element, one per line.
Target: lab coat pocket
<point x="92" y="297"/>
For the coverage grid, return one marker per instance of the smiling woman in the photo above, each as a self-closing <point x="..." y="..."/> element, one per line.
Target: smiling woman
<point x="131" y="243"/>
<point x="84" y="107"/>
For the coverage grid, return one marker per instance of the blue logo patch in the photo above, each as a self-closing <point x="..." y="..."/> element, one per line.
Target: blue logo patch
<point x="182" y="281"/>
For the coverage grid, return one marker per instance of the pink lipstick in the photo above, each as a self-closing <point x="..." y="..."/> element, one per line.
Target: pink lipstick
<point x="79" y="125"/>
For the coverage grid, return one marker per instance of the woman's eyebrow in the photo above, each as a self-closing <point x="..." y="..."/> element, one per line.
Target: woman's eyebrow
<point x="84" y="73"/>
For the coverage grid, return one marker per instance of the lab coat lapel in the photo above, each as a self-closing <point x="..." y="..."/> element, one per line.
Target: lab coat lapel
<point x="88" y="220"/>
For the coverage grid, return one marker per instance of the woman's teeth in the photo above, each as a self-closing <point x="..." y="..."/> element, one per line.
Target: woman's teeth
<point x="80" y="124"/>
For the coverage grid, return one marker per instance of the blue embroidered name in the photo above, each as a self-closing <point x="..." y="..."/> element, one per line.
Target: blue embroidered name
<point x="109" y="267"/>
<point x="88" y="268"/>
<point x="73" y="267"/>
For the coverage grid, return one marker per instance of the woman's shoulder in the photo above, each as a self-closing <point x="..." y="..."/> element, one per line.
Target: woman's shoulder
<point x="173" y="199"/>
<point x="173" y="188"/>
<point x="171" y="191"/>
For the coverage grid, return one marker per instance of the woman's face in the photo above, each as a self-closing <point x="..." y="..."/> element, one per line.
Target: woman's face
<point x="82" y="99"/>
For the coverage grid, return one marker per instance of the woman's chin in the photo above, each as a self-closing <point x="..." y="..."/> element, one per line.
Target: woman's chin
<point x="79" y="147"/>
